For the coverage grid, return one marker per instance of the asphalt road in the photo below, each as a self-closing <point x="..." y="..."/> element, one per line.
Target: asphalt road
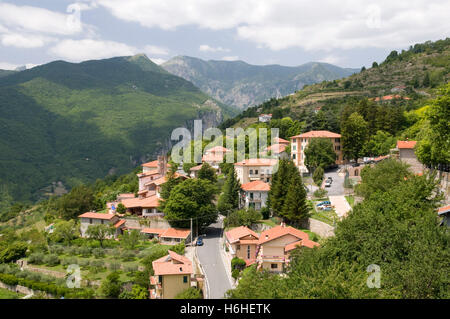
<point x="337" y="187"/>
<point x="211" y="260"/>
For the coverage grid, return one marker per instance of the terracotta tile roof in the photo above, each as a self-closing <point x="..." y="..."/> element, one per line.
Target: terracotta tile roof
<point x="444" y="210"/>
<point x="237" y="233"/>
<point x="213" y="157"/>
<point x="172" y="264"/>
<point x="280" y="231"/>
<point x="250" y="262"/>
<point x="391" y="97"/>
<point x="279" y="140"/>
<point x="97" y="215"/>
<point x="149" y="202"/>
<point x="380" y="158"/>
<point x="176" y="233"/>
<point x="158" y="231"/>
<point x="249" y="241"/>
<point x="304" y="242"/>
<point x="258" y="162"/>
<point x="217" y="149"/>
<point x="162" y="180"/>
<point x="327" y="134"/>
<point x="152" y="164"/>
<point x="256" y="186"/>
<point x="119" y="223"/>
<point x="276" y="148"/>
<point x="406" y="144"/>
<point x="196" y="168"/>
<point x="144" y="174"/>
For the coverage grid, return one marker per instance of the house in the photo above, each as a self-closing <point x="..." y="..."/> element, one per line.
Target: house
<point x="275" y="245"/>
<point x="143" y="206"/>
<point x="214" y="156"/>
<point x="279" y="140"/>
<point x="173" y="236"/>
<point x="92" y="218"/>
<point x="276" y="150"/>
<point x="300" y="142"/>
<point x="406" y="154"/>
<point x="172" y="275"/>
<point x="242" y="242"/>
<point x="398" y="88"/>
<point x="151" y="233"/>
<point x="254" y="194"/>
<point x="112" y="206"/>
<point x="264" y="118"/>
<point x="444" y="212"/>
<point x="255" y="169"/>
<point x="193" y="172"/>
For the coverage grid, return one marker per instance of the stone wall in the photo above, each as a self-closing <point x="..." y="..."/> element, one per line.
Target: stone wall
<point x="320" y="228"/>
<point x="152" y="222"/>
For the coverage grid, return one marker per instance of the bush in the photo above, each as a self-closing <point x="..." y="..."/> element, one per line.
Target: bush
<point x="36" y="259"/>
<point x="318" y="176"/>
<point x="98" y="252"/>
<point x="114" y="252"/>
<point x="56" y="249"/>
<point x="83" y="263"/>
<point x="235" y="273"/>
<point x="265" y="212"/>
<point x="127" y="255"/>
<point x="69" y="261"/>
<point x="84" y="252"/>
<point x="9" y="279"/>
<point x="97" y="265"/>
<point x="237" y="263"/>
<point x="190" y="293"/>
<point x="13" y="252"/>
<point x="320" y="193"/>
<point x="179" y="248"/>
<point x="114" y="266"/>
<point x="51" y="260"/>
<point x="131" y="268"/>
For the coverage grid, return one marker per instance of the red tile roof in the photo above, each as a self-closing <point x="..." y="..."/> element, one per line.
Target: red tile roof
<point x="406" y="144"/>
<point x="213" y="157"/>
<point x="196" y="168"/>
<point x="163" y="180"/>
<point x="158" y="231"/>
<point x="444" y="210"/>
<point x="152" y="164"/>
<point x="276" y="148"/>
<point x="304" y="242"/>
<point x="217" y="149"/>
<point x="311" y="134"/>
<point x="172" y="264"/>
<point x="97" y="215"/>
<point x="279" y="140"/>
<point x="119" y="223"/>
<point x="258" y="162"/>
<point x="176" y="233"/>
<point x="280" y="231"/>
<point x="256" y="186"/>
<point x="237" y="233"/>
<point x="149" y="202"/>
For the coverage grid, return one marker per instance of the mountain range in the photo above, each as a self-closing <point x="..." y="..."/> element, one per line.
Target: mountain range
<point x="68" y="123"/>
<point x="242" y="85"/>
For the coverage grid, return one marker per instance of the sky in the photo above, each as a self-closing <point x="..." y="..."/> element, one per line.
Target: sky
<point x="347" y="33"/>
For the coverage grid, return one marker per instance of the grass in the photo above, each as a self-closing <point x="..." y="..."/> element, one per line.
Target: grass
<point x="351" y="200"/>
<point x="328" y="217"/>
<point x="7" y="294"/>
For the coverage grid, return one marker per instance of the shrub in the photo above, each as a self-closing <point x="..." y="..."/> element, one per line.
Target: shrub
<point x="320" y="193"/>
<point x="71" y="251"/>
<point x="114" y="266"/>
<point x="114" y="252"/>
<point x="13" y="252"/>
<point x="190" y="293"/>
<point x="98" y="252"/>
<point x="83" y="263"/>
<point x="265" y="212"/>
<point x="318" y="175"/>
<point x="237" y="263"/>
<point x="69" y="261"/>
<point x="56" y="249"/>
<point x="9" y="279"/>
<point x="127" y="255"/>
<point x="33" y="276"/>
<point x="235" y="273"/>
<point x="84" y="252"/>
<point x="36" y="259"/>
<point x="51" y="260"/>
<point x="179" y="248"/>
<point x="131" y="268"/>
<point x="97" y="265"/>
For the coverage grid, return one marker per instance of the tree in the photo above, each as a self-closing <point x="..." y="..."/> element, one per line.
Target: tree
<point x="318" y="175"/>
<point x="434" y="148"/>
<point x="78" y="201"/>
<point x="280" y="185"/>
<point x="229" y="199"/>
<point x="100" y="232"/>
<point x="65" y="231"/>
<point x="375" y="65"/>
<point x="187" y="167"/>
<point x="130" y="239"/>
<point x="111" y="286"/>
<point x="243" y="217"/>
<point x="354" y="136"/>
<point x="171" y="182"/>
<point x="13" y="252"/>
<point x="190" y="293"/>
<point x="207" y="172"/>
<point x="295" y="208"/>
<point x="319" y="152"/>
<point x="137" y="292"/>
<point x="379" y="144"/>
<point x="121" y="209"/>
<point x="191" y="199"/>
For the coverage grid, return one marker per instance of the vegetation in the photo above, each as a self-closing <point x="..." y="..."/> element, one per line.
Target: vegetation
<point x="243" y="217"/>
<point x="229" y="199"/>
<point x="190" y="293"/>
<point x="319" y="153"/>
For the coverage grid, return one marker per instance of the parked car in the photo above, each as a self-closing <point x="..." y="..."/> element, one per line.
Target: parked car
<point x="199" y="241"/>
<point x="326" y="202"/>
<point x="328" y="183"/>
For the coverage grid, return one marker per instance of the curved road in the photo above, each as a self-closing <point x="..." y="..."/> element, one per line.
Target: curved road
<point x="212" y="262"/>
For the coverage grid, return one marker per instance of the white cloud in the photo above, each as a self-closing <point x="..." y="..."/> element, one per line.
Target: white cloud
<point x="207" y="48"/>
<point x="332" y="59"/>
<point x="157" y="60"/>
<point x="283" y="24"/>
<point x="8" y="66"/>
<point x="34" y="19"/>
<point x="24" y="40"/>
<point x="230" y="58"/>
<point x="89" y="49"/>
<point x="156" y="50"/>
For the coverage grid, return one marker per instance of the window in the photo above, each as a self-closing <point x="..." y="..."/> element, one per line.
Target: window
<point x="293" y="140"/>
<point x="251" y="195"/>
<point x="185" y="279"/>
<point x="274" y="266"/>
<point x="294" y="156"/>
<point x="248" y="252"/>
<point x="251" y="172"/>
<point x="160" y="278"/>
<point x="90" y="220"/>
<point x="256" y="171"/>
<point x="238" y="247"/>
<point x="294" y="147"/>
<point x="337" y="140"/>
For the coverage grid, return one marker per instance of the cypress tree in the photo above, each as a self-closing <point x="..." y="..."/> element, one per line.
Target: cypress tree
<point x="229" y="199"/>
<point x="295" y="208"/>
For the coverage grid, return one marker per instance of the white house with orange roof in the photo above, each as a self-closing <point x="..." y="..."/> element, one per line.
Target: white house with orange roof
<point x="300" y="142"/>
<point x="264" y="118"/>
<point x="279" y="140"/>
<point x="254" y="194"/>
<point x="172" y="275"/>
<point x="173" y="236"/>
<point x="406" y="154"/>
<point x="275" y="245"/>
<point x="278" y="150"/>
<point x="93" y="218"/>
<point x="444" y="213"/>
<point x="215" y="155"/>
<point x="242" y="242"/>
<point x="254" y="169"/>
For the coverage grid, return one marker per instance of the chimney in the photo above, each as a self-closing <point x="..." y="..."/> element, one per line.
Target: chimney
<point x="267" y="236"/>
<point x="162" y="165"/>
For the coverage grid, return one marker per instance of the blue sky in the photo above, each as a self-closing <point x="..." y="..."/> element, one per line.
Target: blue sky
<point x="348" y="33"/>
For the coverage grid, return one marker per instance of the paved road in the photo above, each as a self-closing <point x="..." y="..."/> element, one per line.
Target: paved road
<point x="211" y="260"/>
<point x="337" y="187"/>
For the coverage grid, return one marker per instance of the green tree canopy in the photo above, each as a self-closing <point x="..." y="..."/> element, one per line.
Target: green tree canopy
<point x="354" y="136"/>
<point x="229" y="199"/>
<point x="207" y="172"/>
<point x="319" y="152"/>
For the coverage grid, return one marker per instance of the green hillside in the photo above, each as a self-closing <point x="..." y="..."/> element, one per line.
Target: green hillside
<point x="414" y="73"/>
<point x="5" y="73"/>
<point x="242" y="85"/>
<point x="77" y="122"/>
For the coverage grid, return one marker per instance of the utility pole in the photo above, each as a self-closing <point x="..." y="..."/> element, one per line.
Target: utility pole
<point x="191" y="232"/>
